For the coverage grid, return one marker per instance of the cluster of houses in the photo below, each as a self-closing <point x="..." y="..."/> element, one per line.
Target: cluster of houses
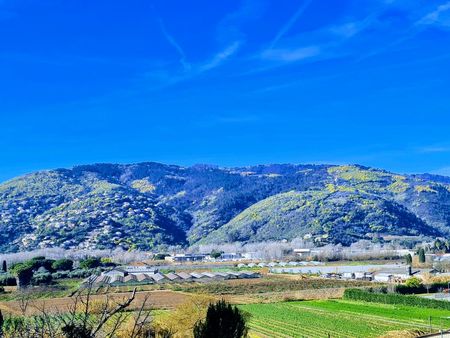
<point x="224" y="257"/>
<point x="275" y="264"/>
<point x="140" y="275"/>
<point x="382" y="274"/>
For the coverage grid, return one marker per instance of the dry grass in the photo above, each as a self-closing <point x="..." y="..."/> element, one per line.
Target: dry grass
<point x="403" y="334"/>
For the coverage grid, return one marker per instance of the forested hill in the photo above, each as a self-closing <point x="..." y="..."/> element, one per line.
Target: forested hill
<point x="147" y="205"/>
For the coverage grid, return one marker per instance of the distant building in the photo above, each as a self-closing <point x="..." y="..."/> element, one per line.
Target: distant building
<point x="135" y="269"/>
<point x="115" y="272"/>
<point x="230" y="256"/>
<point x="302" y="252"/>
<point x="184" y="258"/>
<point x="251" y="255"/>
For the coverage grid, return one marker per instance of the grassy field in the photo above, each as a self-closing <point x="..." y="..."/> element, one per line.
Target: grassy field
<point x="339" y="318"/>
<point x="62" y="288"/>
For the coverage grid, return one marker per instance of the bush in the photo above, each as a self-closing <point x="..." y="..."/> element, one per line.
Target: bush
<point x="44" y="278"/>
<point x="7" y="280"/>
<point x="23" y="272"/>
<point x="90" y="263"/>
<point x="413" y="282"/>
<point x="366" y="296"/>
<point x="60" y="274"/>
<point x="407" y="290"/>
<point x="62" y="264"/>
<point x="160" y="256"/>
<point x="107" y="262"/>
<point x="81" y="273"/>
<point x="41" y="261"/>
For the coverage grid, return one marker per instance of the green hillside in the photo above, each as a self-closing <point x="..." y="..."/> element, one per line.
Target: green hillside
<point x="147" y="205"/>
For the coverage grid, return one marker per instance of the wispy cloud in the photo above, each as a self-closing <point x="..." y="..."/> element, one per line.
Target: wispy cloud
<point x="440" y="16"/>
<point x="290" y="55"/>
<point x="290" y="23"/>
<point x="229" y="28"/>
<point x="176" y="45"/>
<point x="234" y="119"/>
<point x="220" y="57"/>
<point x="433" y="149"/>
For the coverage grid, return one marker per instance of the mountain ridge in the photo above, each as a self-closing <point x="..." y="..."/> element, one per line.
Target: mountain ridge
<point x="150" y="205"/>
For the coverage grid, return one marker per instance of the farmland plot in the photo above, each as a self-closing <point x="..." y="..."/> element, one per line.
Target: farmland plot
<point x="338" y="318"/>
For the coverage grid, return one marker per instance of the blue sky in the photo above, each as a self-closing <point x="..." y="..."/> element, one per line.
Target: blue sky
<point x="225" y="82"/>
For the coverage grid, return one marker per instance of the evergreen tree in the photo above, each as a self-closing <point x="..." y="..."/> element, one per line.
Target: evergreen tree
<point x="4" y="266"/>
<point x="421" y="255"/>
<point x="438" y="244"/>
<point x="222" y="321"/>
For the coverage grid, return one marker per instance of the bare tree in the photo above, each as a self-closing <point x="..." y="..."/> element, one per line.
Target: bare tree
<point x="84" y="318"/>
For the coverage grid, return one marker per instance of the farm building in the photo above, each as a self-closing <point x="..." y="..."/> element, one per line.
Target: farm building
<point x="231" y="256"/>
<point x="348" y="275"/>
<point x="184" y="277"/>
<point x="115" y="272"/>
<point x="184" y="258"/>
<point x="135" y="269"/>
<point x="302" y="252"/>
<point x="157" y="278"/>
<point x="383" y="277"/>
<point x="173" y="277"/>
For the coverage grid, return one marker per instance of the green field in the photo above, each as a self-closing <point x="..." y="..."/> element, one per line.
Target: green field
<point x="339" y="318"/>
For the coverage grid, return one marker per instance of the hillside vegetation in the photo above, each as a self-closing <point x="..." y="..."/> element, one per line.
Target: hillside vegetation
<point x="150" y="204"/>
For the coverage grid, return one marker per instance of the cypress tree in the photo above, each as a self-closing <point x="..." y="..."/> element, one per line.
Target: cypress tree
<point x="421" y="255"/>
<point x="222" y="321"/>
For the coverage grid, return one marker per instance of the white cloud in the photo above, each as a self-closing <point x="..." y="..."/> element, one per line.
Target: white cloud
<point x="440" y="16"/>
<point x="176" y="45"/>
<point x="290" y="23"/>
<point x="229" y="28"/>
<point x="220" y="57"/>
<point x="434" y="149"/>
<point x="291" y="55"/>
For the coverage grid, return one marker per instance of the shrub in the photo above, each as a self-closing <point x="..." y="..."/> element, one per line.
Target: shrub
<point x="215" y="254"/>
<point x="413" y="282"/>
<point x="23" y="272"/>
<point x="79" y="273"/>
<point x="7" y="280"/>
<point x="44" y="278"/>
<point x="160" y="256"/>
<point x="62" y="264"/>
<point x="363" y="295"/>
<point x="41" y="261"/>
<point x="90" y="263"/>
<point x="60" y="274"/>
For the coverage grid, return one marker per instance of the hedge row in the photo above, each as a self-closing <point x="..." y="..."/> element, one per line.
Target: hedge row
<point x="392" y="298"/>
<point x="408" y="290"/>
